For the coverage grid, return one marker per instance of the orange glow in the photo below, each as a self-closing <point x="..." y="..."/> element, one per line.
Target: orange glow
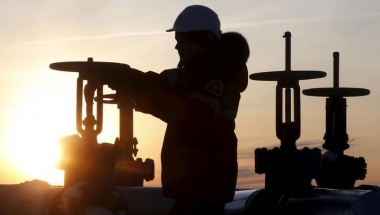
<point x="32" y="145"/>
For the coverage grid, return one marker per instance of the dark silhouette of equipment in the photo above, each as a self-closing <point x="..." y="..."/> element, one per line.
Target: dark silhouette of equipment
<point x="85" y="159"/>
<point x="97" y="169"/>
<point x="128" y="171"/>
<point x="286" y="168"/>
<point x="338" y="170"/>
<point x="288" y="171"/>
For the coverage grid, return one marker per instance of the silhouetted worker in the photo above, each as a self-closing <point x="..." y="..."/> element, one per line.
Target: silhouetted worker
<point x="199" y="102"/>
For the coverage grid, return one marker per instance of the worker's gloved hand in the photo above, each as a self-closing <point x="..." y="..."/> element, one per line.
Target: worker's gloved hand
<point x="128" y="82"/>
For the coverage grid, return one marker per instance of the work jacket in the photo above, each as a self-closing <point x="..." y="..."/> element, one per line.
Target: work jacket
<point x="199" y="103"/>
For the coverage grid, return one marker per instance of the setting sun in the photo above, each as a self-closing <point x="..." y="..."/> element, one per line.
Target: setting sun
<point x="35" y="128"/>
<point x="32" y="147"/>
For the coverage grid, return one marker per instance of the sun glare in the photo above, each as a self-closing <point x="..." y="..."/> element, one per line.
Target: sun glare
<point x="32" y="144"/>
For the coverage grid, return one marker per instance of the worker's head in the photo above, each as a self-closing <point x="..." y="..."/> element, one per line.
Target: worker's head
<point x="197" y="18"/>
<point x="197" y="28"/>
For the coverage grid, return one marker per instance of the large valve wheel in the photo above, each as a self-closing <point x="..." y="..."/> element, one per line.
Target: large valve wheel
<point x="90" y="65"/>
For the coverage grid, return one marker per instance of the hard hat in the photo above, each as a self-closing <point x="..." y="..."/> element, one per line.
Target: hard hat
<point x="197" y="18"/>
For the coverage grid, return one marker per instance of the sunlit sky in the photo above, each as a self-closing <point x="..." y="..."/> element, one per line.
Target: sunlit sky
<point x="37" y="104"/>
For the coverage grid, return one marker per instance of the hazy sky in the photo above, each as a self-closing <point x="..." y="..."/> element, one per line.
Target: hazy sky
<point x="37" y="105"/>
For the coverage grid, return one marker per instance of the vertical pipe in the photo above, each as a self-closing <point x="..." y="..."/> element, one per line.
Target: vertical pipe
<point x="297" y="111"/>
<point x="99" y="109"/>
<point x="279" y="127"/>
<point x="125" y="106"/>
<point x="288" y="106"/>
<point x="336" y="69"/>
<point x="287" y="37"/>
<point x="79" y="105"/>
